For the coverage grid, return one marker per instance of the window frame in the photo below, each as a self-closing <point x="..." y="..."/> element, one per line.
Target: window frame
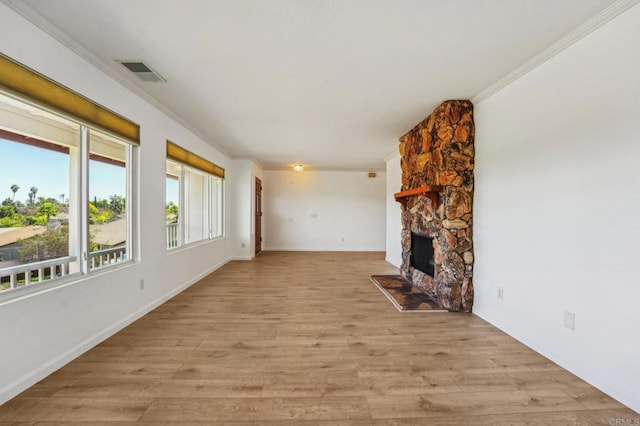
<point x="129" y="191"/>
<point x="82" y="256"/>
<point x="34" y="90"/>
<point x="190" y="162"/>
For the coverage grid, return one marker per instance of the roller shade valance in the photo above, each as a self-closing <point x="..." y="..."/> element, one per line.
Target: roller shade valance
<point x="181" y="155"/>
<point x="21" y="81"/>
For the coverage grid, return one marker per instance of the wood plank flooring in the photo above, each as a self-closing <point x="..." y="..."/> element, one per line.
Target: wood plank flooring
<point x="307" y="339"/>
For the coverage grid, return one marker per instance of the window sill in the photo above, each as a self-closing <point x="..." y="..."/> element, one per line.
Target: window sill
<point x="37" y="289"/>
<point x="194" y="244"/>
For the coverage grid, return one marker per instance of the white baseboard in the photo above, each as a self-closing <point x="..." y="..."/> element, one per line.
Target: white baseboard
<point x="624" y="396"/>
<point x="394" y="262"/>
<point x="241" y="258"/>
<point x="320" y="249"/>
<point x="12" y="389"/>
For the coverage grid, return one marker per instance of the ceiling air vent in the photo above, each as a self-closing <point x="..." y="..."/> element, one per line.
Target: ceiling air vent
<point x="143" y="71"/>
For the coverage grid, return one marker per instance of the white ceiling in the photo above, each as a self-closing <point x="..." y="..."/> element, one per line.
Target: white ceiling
<point x="332" y="84"/>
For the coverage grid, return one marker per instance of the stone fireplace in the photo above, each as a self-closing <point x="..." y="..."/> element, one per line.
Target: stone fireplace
<point x="437" y="159"/>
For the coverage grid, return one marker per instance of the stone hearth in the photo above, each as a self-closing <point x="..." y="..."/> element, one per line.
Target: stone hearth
<point x="439" y="152"/>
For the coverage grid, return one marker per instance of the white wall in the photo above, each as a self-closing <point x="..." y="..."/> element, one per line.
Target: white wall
<point x="241" y="218"/>
<point x="41" y="333"/>
<point x="323" y="211"/>
<point x="556" y="200"/>
<point x="394" y="211"/>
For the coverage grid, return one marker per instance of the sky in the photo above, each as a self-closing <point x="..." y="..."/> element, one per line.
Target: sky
<point x="172" y="191"/>
<point x="28" y="166"/>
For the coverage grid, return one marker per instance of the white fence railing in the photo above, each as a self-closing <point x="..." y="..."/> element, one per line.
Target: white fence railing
<point x="172" y="235"/>
<point x="33" y="273"/>
<point x="107" y="257"/>
<point x="46" y="270"/>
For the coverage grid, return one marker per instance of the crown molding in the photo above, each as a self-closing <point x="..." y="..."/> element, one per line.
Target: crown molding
<point x="249" y="158"/>
<point x="307" y="168"/>
<point x="392" y="156"/>
<point x="574" y="36"/>
<point x="257" y="163"/>
<point x="31" y="15"/>
<point x="325" y="169"/>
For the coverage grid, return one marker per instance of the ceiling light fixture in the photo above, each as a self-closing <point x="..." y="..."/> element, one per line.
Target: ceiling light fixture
<point x="298" y="167"/>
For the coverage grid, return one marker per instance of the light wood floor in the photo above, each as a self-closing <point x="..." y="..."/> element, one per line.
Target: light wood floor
<point x="307" y="339"/>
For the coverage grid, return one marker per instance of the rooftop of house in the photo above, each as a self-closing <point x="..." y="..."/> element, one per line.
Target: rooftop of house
<point x="13" y="235"/>
<point x="109" y="234"/>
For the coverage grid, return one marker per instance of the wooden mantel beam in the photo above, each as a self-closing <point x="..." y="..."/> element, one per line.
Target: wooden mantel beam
<point x="431" y="191"/>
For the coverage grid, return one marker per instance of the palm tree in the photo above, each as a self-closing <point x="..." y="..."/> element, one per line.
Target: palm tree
<point x="32" y="195"/>
<point x="14" y="189"/>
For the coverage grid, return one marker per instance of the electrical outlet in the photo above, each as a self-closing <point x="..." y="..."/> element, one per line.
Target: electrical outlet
<point x="569" y="320"/>
<point x="342" y="239"/>
<point x="242" y="245"/>
<point x="500" y="293"/>
<point x="141" y="283"/>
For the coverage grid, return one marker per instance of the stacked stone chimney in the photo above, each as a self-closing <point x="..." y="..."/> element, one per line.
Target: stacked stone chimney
<point x="440" y="151"/>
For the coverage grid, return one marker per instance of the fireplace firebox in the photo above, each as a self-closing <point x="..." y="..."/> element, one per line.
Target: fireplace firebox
<point x="422" y="253"/>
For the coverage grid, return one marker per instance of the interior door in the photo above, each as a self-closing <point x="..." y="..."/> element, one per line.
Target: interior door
<point x="258" y="202"/>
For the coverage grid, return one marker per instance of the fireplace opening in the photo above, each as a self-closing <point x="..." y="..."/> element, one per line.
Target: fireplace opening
<point x="422" y="253"/>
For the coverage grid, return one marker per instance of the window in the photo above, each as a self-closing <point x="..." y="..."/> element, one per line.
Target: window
<point x="34" y="214"/>
<point x="174" y="171"/>
<point x="193" y="198"/>
<point x="108" y="194"/>
<point x="65" y="186"/>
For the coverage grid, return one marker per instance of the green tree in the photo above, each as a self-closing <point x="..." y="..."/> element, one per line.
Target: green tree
<point x="93" y="213"/>
<point x="14" y="189"/>
<point x="9" y="217"/>
<point x="98" y="215"/>
<point x="48" y="209"/>
<point x="14" y="221"/>
<point x="172" y="208"/>
<point x="50" y="245"/>
<point x="7" y="209"/>
<point x="171" y="212"/>
<point x="101" y="203"/>
<point x="116" y="204"/>
<point x="32" y="195"/>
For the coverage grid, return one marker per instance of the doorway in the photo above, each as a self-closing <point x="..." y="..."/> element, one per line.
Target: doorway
<point x="258" y="202"/>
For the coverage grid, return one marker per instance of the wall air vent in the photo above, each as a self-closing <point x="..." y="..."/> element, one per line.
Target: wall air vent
<point x="143" y="71"/>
